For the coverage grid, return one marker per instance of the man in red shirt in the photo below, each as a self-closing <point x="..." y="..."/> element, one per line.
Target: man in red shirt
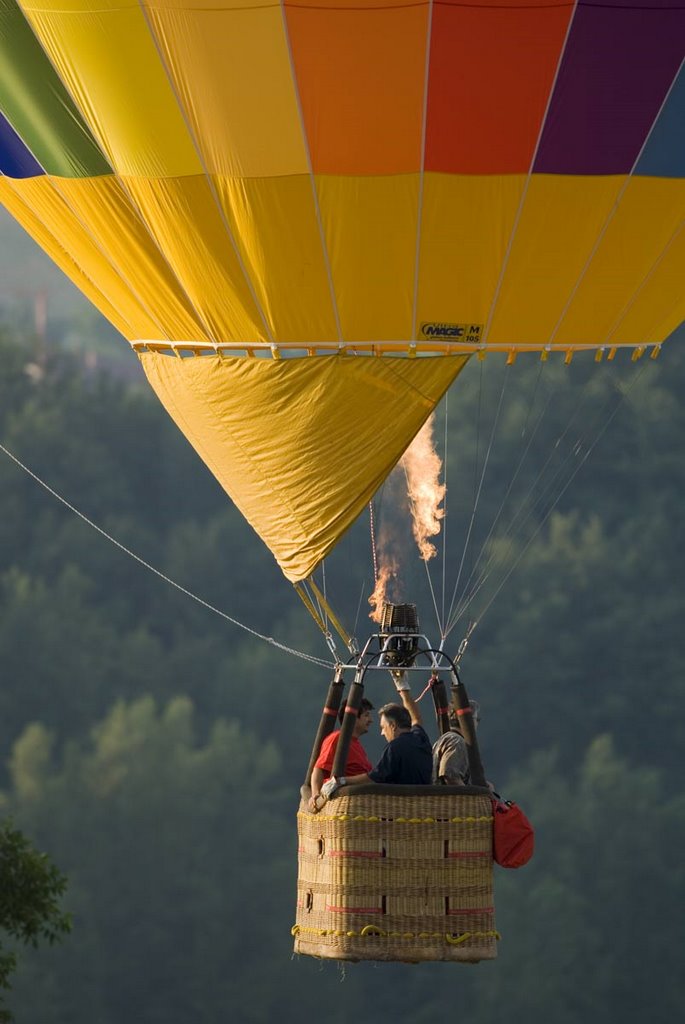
<point x="357" y="761"/>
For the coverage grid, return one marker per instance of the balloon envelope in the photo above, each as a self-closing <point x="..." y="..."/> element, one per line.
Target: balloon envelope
<point x="345" y="187"/>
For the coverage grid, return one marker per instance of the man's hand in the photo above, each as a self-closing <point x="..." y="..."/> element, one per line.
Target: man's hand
<point x="401" y="681"/>
<point x="332" y="786"/>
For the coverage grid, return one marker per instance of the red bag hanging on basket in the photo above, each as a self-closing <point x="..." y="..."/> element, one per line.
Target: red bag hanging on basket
<point x="513" y="835"/>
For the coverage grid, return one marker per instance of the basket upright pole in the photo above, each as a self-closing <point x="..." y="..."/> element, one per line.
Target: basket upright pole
<point x="442" y="711"/>
<point x="354" y="699"/>
<point x="329" y="715"/>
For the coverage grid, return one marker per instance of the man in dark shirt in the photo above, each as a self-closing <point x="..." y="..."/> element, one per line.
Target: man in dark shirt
<point x="408" y="758"/>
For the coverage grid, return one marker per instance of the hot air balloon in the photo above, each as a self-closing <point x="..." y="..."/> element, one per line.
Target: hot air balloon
<point x="306" y="217"/>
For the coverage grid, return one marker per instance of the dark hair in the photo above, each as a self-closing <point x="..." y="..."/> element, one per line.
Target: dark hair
<point x="365" y="705"/>
<point x="396" y="713"/>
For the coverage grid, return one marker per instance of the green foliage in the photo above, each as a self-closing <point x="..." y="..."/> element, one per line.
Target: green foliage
<point x="30" y="891"/>
<point x="195" y="848"/>
<point x="588" y="926"/>
<point x="156" y="750"/>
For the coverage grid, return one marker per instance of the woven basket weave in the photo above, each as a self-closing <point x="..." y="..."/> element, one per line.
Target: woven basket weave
<point x="397" y="873"/>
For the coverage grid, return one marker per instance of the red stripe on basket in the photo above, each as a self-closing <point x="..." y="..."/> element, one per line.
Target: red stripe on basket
<point x="463" y="853"/>
<point x="354" y="853"/>
<point x="355" y="910"/>
<point x="474" y="911"/>
<point x="464" y="711"/>
<point x="330" y="711"/>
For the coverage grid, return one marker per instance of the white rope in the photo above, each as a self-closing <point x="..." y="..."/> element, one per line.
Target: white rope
<point x="205" y="604"/>
<point x="525" y="511"/>
<point x="374" y="553"/>
<point x="477" y="495"/>
<point x="480" y="572"/>
<point x="594" y="435"/>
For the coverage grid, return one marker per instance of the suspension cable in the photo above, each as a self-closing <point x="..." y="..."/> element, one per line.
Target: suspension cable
<point x="524" y="511"/>
<point x="374" y="552"/>
<point x="481" y="573"/>
<point x="530" y="501"/>
<point x="359" y="608"/>
<point x="596" y="436"/>
<point x="478" y="491"/>
<point x="146" y="565"/>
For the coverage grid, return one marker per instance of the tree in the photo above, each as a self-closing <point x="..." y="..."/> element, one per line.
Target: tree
<point x="30" y="890"/>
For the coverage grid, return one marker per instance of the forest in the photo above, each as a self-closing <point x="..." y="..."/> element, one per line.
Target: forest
<point x="154" y="749"/>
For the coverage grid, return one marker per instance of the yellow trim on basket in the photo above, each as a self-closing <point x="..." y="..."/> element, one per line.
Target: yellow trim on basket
<point x="459" y="939"/>
<point x="396" y="821"/>
<point x="375" y="932"/>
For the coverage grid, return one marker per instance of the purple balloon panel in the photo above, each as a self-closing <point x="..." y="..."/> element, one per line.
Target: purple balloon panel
<point x="618" y="66"/>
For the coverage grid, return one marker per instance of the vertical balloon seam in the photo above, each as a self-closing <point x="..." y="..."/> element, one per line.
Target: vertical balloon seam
<point x="422" y="169"/>
<point x="96" y="287"/>
<point x="614" y="209"/>
<point x="13" y="185"/>
<point x="623" y="313"/>
<point x="657" y="161"/>
<point x="208" y="177"/>
<point x="108" y="258"/>
<point x="129" y="279"/>
<point x="645" y="281"/>
<point x="78" y="153"/>
<point x="522" y="199"/>
<point x="312" y="178"/>
<point x="23" y="41"/>
<point x="135" y="209"/>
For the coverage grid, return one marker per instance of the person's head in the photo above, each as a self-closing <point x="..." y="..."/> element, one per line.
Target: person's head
<point x="455" y="719"/>
<point x="393" y="719"/>
<point x="364" y="717"/>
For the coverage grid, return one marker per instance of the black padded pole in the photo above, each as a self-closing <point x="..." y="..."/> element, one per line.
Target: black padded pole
<point x="328" y="719"/>
<point x="442" y="711"/>
<point x="354" y="699"/>
<point x="460" y="699"/>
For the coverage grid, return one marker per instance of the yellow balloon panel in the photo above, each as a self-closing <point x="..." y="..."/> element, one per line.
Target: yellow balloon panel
<point x="300" y="445"/>
<point x="103" y="205"/>
<point x="648" y="318"/>
<point x="274" y="221"/>
<point x="370" y="227"/>
<point x="553" y="239"/>
<point x="465" y="228"/>
<point x="189" y="226"/>
<point x="232" y="72"/>
<point x="108" y="60"/>
<point x="637" y="236"/>
<point x="38" y="206"/>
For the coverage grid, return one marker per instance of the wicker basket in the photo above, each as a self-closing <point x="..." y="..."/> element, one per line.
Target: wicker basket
<point x="397" y="873"/>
